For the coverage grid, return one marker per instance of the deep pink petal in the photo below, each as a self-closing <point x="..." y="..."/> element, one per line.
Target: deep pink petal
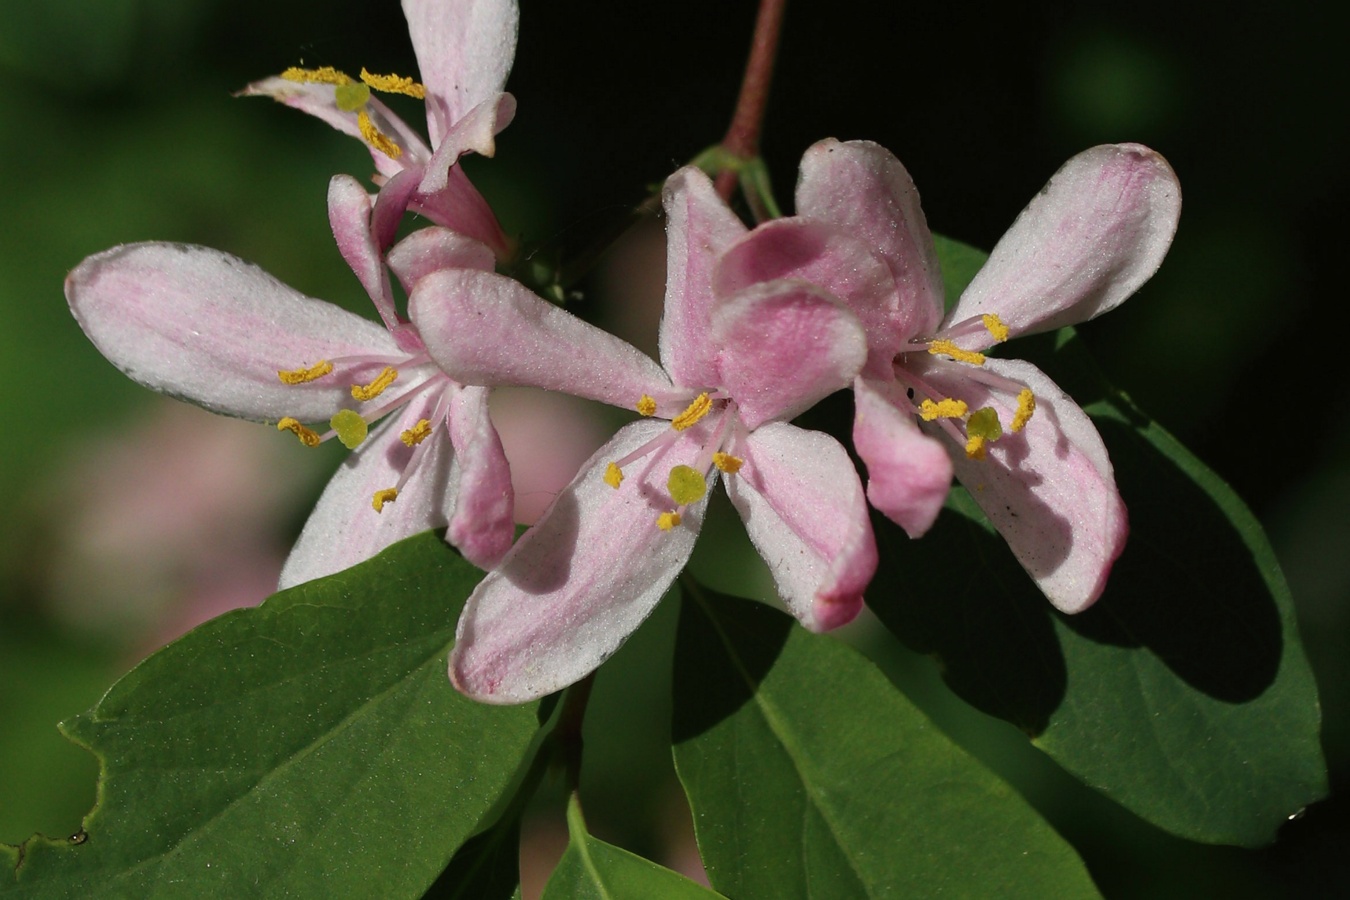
<point x="782" y="346"/>
<point x="1049" y="489"/>
<point x="349" y="217"/>
<point x="821" y="254"/>
<point x="804" y="510"/>
<point x="1084" y="244"/>
<point x="482" y="526"/>
<point x="699" y="228"/>
<point x="581" y="580"/>
<point x="345" y="529"/>
<point x="487" y="329"/>
<point x="395" y="196"/>
<point x="862" y="189"/>
<point x="908" y="472"/>
<point x="464" y="53"/>
<point x="205" y="326"/>
<point x="460" y="207"/>
<point x="432" y="249"/>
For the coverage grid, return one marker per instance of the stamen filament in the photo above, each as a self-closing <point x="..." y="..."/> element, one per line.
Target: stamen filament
<point x="303" y="375"/>
<point x="943" y="409"/>
<point x="393" y="84"/>
<point x="307" y="437"/>
<point x="696" y="410"/>
<point x="376" y="387"/>
<point x="1026" y="407"/>
<point x="381" y="497"/>
<point x="323" y="75"/>
<point x="376" y="138"/>
<point x="416" y="434"/>
<point x="947" y="348"/>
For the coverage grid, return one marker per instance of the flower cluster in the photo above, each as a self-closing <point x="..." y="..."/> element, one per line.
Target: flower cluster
<point x="759" y="324"/>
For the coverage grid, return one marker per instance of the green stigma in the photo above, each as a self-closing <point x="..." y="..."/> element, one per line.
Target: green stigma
<point x="350" y="427"/>
<point x="352" y="96"/>
<point x="983" y="423"/>
<point x="686" y="485"/>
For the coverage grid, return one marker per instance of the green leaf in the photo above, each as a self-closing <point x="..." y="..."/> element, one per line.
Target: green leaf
<point x="314" y="741"/>
<point x="1184" y="693"/>
<point x="593" y="869"/>
<point x="487" y="867"/>
<point x="809" y="774"/>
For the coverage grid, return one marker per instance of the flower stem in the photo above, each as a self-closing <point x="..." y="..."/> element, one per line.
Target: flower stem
<point x="567" y="736"/>
<point x="742" y="137"/>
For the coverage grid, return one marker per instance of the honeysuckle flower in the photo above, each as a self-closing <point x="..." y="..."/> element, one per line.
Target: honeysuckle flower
<point x="1030" y="457"/>
<point x="464" y="52"/>
<point x="211" y="329"/>
<point x="735" y="368"/>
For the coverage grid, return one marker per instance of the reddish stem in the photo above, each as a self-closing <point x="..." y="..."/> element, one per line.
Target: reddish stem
<point x="742" y="137"/>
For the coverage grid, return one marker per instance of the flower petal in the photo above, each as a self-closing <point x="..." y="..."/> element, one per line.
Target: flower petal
<point x="782" y="346"/>
<point x="699" y="228"/>
<point x="862" y="189"/>
<point x="482" y="526"/>
<point x="908" y="472"/>
<point x="1048" y="489"/>
<point x="487" y="329"/>
<point x="464" y="53"/>
<point x="205" y="326"/>
<point x="804" y="510"/>
<point x="1096" y="232"/>
<point x="345" y="529"/>
<point x="581" y="580"/>
<point x="474" y="133"/>
<point x="460" y="207"/>
<point x="349" y="217"/>
<point x="431" y="249"/>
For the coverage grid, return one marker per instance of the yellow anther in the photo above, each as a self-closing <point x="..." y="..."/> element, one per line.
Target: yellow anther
<point x="667" y="521"/>
<point x="646" y="405"/>
<point x="416" y="434"/>
<point x="686" y="485"/>
<point x="392" y="84"/>
<point x="696" y="410"/>
<point x="994" y="325"/>
<point x="307" y="437"/>
<point x="975" y="447"/>
<point x="388" y="495"/>
<point x="1026" y="406"/>
<point x="727" y="463"/>
<point x="613" y="475"/>
<point x="943" y="409"/>
<point x="376" y="387"/>
<point x="301" y="376"/>
<point x="350" y="427"/>
<point x="376" y="138"/>
<point x="947" y="348"/>
<point x="324" y="75"/>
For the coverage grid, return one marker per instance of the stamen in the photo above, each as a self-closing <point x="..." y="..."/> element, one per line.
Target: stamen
<point x="350" y="427"/>
<point x="943" y="409"/>
<point x="667" y="520"/>
<point x="975" y="447"/>
<point x="981" y="427"/>
<point x="696" y="410"/>
<point x="613" y="475"/>
<point x="1026" y="406"/>
<point x="646" y="405"/>
<point x="324" y="75"/>
<point x="388" y="495"/>
<point x="686" y="485"/>
<point x="392" y="84"/>
<point x="416" y="434"/>
<point x="995" y="327"/>
<point x="377" y="139"/>
<point x="727" y="463"/>
<point x="302" y="376"/>
<point x="307" y="437"/>
<point x="947" y="348"/>
<point x="376" y="387"/>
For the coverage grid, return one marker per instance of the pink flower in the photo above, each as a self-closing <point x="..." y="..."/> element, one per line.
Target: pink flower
<point x="737" y="366"/>
<point x="1028" y="454"/>
<point x="464" y="52"/>
<point x="206" y="327"/>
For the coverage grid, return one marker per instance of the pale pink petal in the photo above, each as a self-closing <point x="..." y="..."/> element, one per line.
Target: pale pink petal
<point x="432" y="249"/>
<point x="460" y="207"/>
<point x="475" y="133"/>
<point x="782" y="346"/>
<point x="464" y="52"/>
<point x="345" y="529"/>
<point x="828" y="258"/>
<point x="207" y="327"/>
<point x="349" y="217"/>
<point x="1048" y="489"/>
<point x="487" y="329"/>
<point x="699" y="227"/>
<point x="1093" y="235"/>
<point x="482" y="526"/>
<point x="804" y="510"/>
<point x="581" y="580"/>
<point x="908" y="472"/>
<point x="394" y="198"/>
<point x="862" y="189"/>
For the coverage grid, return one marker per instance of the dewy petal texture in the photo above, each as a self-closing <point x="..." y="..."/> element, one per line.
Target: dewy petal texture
<point x="464" y="52"/>
<point x="908" y="472"/>
<point x="202" y="325"/>
<point x="1097" y="231"/>
<point x="579" y="582"/>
